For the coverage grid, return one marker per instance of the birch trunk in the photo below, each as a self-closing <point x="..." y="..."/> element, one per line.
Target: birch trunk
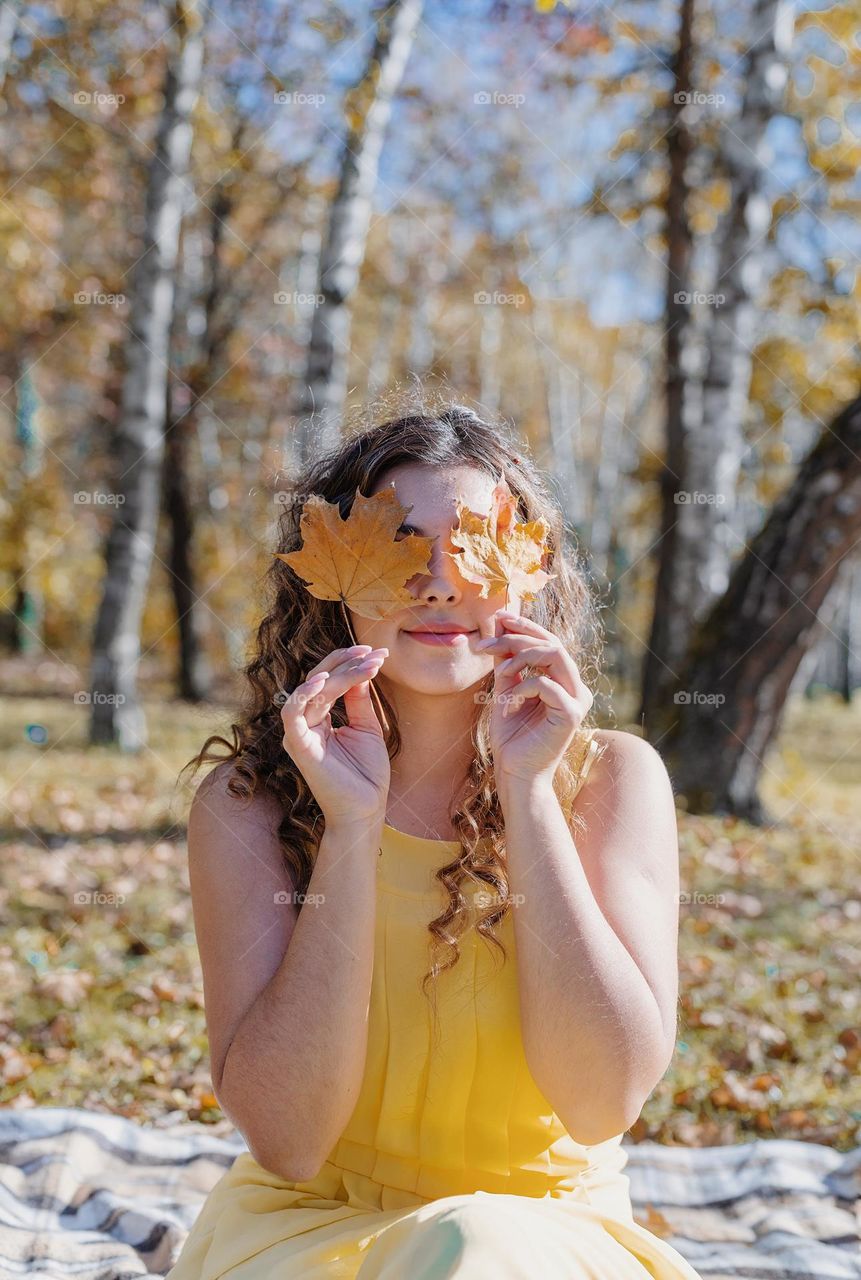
<point x="731" y="322"/>
<point x="702" y="527"/>
<point x="117" y="716"/>
<point x="323" y="390"/>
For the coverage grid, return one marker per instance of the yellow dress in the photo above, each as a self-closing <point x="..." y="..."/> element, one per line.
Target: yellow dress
<point x="453" y="1163"/>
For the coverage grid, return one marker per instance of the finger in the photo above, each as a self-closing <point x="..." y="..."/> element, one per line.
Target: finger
<point x="487" y="627"/>
<point x="552" y="658"/>
<point x="311" y="699"/>
<point x="511" y="623"/>
<point x="544" y="689"/>
<point x="341" y="681"/>
<point x="339" y="656"/>
<point x="361" y="713"/>
<point x="502" y="646"/>
<point x="295" y="710"/>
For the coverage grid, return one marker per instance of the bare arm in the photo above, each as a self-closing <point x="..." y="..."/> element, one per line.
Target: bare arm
<point x="597" y="937"/>
<point x="286" y="991"/>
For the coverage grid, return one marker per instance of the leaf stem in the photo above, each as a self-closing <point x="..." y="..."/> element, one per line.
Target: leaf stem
<point x="375" y="697"/>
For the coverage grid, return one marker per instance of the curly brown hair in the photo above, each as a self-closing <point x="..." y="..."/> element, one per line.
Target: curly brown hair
<point x="298" y="631"/>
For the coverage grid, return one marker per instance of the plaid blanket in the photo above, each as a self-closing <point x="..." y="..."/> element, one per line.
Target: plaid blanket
<point x="99" y="1197"/>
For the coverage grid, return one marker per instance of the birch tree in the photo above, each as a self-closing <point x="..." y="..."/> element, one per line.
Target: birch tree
<point x="323" y="389"/>
<point x="709" y="364"/>
<point x="117" y="716"/>
<point x="730" y="337"/>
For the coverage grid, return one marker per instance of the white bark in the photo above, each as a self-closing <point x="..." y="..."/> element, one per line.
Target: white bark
<point x="116" y="712"/>
<point x="715" y="530"/>
<point x="324" y="388"/>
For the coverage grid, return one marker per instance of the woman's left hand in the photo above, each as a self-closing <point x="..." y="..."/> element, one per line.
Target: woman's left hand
<point x="533" y="720"/>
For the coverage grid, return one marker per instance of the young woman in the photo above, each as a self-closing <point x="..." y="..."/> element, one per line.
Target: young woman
<point x="440" y="964"/>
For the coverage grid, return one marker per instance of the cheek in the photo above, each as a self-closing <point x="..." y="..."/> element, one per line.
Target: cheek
<point x="378" y="634"/>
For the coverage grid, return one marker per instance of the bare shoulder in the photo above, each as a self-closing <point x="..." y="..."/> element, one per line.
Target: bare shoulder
<point x="223" y="824"/>
<point x="215" y="801"/>
<point x="627" y="800"/>
<point x="625" y="760"/>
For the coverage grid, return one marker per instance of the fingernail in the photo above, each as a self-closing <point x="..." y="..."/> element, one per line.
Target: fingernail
<point x="482" y="644"/>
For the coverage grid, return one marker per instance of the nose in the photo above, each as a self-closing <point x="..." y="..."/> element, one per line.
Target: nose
<point x="442" y="580"/>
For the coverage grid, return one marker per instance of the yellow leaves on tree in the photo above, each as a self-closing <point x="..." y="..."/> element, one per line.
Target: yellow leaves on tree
<point x="357" y="560"/>
<point x="497" y="552"/>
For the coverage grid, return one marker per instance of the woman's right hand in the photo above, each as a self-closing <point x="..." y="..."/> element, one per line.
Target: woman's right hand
<point x="347" y="768"/>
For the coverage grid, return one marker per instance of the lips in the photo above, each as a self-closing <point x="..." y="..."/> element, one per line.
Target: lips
<point x="442" y="629"/>
<point x="441" y="634"/>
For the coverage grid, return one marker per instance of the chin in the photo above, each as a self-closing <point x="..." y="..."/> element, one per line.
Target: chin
<point x="432" y="678"/>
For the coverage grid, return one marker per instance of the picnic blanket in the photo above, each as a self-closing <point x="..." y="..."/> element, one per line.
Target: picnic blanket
<point x="99" y="1197"/>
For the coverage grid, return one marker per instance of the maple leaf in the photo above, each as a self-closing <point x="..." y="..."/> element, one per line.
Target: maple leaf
<point x="358" y="560"/>
<point x="497" y="552"/>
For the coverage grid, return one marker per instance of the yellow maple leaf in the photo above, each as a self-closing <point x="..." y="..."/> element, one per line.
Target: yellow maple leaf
<point x="498" y="553"/>
<point x="358" y="560"/>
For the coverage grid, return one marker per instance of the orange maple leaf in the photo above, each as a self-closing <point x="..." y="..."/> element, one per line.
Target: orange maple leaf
<point x="497" y="552"/>
<point x="357" y="560"/>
